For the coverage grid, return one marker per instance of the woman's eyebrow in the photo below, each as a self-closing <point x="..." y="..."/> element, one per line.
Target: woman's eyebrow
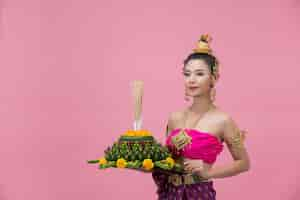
<point x="195" y="70"/>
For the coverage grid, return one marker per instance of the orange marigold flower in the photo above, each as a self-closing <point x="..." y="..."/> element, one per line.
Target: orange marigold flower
<point x="129" y="133"/>
<point x="102" y="161"/>
<point x="148" y="164"/>
<point x="170" y="161"/>
<point x="121" y="163"/>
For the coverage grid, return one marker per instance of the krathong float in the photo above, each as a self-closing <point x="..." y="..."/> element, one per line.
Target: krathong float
<point x="137" y="148"/>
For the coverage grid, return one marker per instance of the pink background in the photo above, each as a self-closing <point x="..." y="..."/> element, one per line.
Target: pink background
<point x="65" y="72"/>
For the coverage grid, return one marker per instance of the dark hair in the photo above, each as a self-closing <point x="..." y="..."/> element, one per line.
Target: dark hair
<point x="209" y="59"/>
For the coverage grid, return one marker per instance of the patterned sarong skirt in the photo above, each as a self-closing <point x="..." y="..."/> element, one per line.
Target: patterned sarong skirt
<point x="197" y="191"/>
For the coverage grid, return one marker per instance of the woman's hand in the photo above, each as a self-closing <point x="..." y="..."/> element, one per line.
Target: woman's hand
<point x="197" y="167"/>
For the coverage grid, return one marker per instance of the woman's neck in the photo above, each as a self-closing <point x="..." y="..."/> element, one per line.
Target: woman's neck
<point x="201" y="104"/>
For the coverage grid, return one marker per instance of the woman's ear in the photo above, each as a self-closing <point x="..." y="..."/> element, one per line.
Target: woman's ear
<point x="213" y="81"/>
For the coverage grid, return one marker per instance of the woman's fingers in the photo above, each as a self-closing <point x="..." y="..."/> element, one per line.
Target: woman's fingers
<point x="243" y="134"/>
<point x="186" y="164"/>
<point x="188" y="167"/>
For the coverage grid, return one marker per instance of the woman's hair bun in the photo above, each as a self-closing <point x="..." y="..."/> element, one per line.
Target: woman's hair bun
<point x="203" y="44"/>
<point x="203" y="51"/>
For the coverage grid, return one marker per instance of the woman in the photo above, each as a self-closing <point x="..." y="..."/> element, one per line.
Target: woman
<point x="196" y="134"/>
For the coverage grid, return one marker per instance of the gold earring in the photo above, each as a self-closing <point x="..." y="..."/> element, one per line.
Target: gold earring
<point x="186" y="98"/>
<point x="213" y="94"/>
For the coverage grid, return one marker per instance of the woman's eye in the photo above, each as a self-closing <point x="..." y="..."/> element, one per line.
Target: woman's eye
<point x="199" y="74"/>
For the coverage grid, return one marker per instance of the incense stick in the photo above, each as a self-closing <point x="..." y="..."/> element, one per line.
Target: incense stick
<point x="137" y="93"/>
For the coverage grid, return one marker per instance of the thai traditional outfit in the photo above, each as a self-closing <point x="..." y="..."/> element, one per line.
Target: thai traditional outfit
<point x="176" y="186"/>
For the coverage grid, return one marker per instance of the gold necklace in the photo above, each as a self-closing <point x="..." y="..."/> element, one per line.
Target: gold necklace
<point x="186" y="116"/>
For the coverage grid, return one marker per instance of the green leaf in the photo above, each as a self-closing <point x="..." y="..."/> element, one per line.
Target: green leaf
<point x="112" y="163"/>
<point x="93" y="161"/>
<point x="103" y="166"/>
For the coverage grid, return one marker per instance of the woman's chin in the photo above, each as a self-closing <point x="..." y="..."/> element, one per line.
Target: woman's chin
<point x="194" y="94"/>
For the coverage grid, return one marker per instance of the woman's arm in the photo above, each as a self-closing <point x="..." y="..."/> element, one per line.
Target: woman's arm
<point x="169" y="126"/>
<point x="234" y="141"/>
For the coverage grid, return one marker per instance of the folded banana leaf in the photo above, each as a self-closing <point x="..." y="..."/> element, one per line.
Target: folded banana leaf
<point x="138" y="152"/>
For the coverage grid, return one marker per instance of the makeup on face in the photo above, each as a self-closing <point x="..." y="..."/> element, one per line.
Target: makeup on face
<point x="199" y="69"/>
<point x="196" y="75"/>
<point x="192" y="89"/>
<point x="194" y="78"/>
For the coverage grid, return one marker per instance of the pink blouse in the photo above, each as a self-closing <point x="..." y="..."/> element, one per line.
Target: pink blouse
<point x="204" y="146"/>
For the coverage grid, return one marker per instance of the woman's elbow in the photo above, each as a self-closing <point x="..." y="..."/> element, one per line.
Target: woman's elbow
<point x="246" y="166"/>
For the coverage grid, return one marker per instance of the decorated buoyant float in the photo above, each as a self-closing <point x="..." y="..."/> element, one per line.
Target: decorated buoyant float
<point x="137" y="148"/>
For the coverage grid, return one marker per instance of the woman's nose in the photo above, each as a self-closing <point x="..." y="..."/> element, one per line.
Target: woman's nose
<point x="191" y="78"/>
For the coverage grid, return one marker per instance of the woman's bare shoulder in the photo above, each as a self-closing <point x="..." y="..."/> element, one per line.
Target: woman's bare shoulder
<point x="221" y="117"/>
<point x="216" y="114"/>
<point x="176" y="115"/>
<point x="224" y="118"/>
<point x="174" y="118"/>
<point x="220" y="114"/>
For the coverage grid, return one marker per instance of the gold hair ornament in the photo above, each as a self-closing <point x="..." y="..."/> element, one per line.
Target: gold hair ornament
<point x="203" y="46"/>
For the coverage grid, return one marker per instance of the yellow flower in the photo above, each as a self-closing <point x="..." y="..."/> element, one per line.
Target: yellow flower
<point x="137" y="133"/>
<point x="143" y="133"/>
<point x="129" y="133"/>
<point x="102" y="161"/>
<point x="148" y="164"/>
<point x="146" y="133"/>
<point x="121" y="163"/>
<point x="170" y="161"/>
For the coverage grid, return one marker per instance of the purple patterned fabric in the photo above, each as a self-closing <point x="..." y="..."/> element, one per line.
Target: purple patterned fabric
<point x="168" y="191"/>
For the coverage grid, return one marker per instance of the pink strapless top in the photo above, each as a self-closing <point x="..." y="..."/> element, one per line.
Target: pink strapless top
<point x="204" y="146"/>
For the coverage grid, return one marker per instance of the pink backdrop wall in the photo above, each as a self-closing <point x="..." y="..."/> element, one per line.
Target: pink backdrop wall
<point x="64" y="81"/>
